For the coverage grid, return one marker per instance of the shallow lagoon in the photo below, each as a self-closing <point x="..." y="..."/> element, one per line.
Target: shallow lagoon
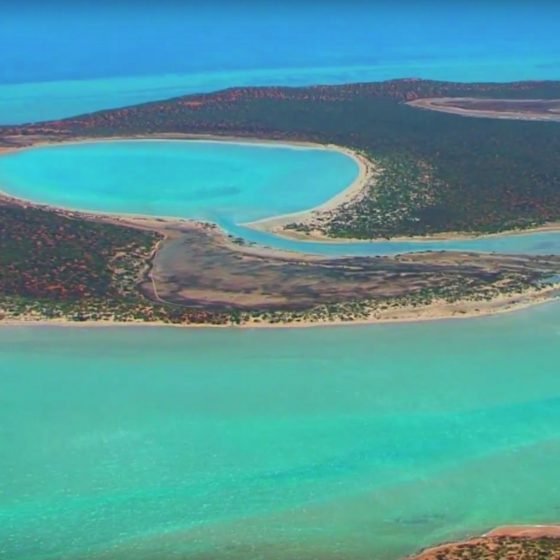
<point x="352" y="442"/>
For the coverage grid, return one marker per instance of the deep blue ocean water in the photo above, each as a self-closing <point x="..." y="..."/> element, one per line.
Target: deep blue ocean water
<point x="63" y="58"/>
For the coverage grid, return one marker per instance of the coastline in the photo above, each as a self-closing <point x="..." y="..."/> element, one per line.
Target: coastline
<point x="275" y="224"/>
<point x="318" y="237"/>
<point x="436" y="311"/>
<point x="367" y="170"/>
<point x="352" y="190"/>
<point x="178" y="137"/>
<point x="531" y="531"/>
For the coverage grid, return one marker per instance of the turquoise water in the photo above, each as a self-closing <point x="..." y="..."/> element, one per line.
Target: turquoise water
<point x="541" y="243"/>
<point x="208" y="180"/>
<point x="337" y="443"/>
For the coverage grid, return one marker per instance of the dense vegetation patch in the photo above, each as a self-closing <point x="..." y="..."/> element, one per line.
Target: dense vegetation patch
<point x="62" y="266"/>
<point x="43" y="254"/>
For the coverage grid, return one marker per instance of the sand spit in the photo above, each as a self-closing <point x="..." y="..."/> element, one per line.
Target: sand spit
<point x="512" y="109"/>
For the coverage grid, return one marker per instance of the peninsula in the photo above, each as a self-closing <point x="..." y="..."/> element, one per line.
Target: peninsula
<point x="423" y="173"/>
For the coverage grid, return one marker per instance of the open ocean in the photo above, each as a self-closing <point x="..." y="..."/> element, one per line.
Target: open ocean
<point x="64" y="58"/>
<point x="354" y="443"/>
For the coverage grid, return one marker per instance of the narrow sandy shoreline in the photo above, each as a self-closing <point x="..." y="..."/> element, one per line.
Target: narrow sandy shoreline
<point x="439" y="104"/>
<point x="317" y="237"/>
<point x="352" y="190"/>
<point x="366" y="171"/>
<point x="438" y="311"/>
<point x="178" y="137"/>
<point x="530" y="531"/>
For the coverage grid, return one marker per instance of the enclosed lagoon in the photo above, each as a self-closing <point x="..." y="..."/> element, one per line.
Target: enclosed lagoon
<point x="236" y="182"/>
